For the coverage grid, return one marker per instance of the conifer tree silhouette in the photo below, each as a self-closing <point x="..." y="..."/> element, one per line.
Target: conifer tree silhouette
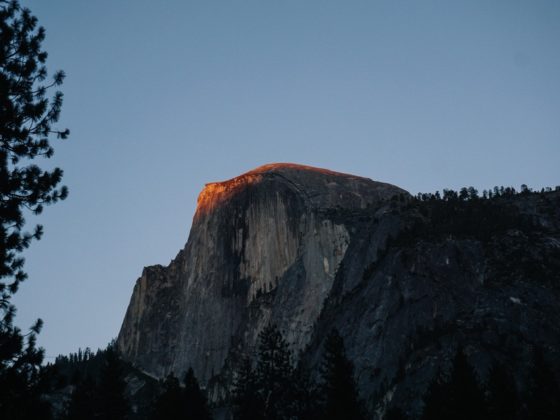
<point x="459" y="398"/>
<point x="111" y="399"/>
<point x="338" y="385"/>
<point x="181" y="403"/>
<point x="274" y="372"/>
<point x="27" y="118"/>
<point x="395" y="413"/>
<point x="502" y="397"/>
<point x="247" y="401"/>
<point x="170" y="404"/>
<point x="195" y="399"/>
<point x="544" y="391"/>
<point x="304" y="396"/>
<point x="82" y="405"/>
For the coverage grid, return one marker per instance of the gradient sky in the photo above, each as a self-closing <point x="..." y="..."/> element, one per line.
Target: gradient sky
<point x="163" y="97"/>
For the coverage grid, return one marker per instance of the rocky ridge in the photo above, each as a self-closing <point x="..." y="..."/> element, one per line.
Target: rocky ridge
<point x="265" y="231"/>
<point x="311" y="249"/>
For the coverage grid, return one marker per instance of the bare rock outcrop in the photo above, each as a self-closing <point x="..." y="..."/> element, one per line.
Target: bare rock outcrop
<point x="405" y="281"/>
<point x="267" y="232"/>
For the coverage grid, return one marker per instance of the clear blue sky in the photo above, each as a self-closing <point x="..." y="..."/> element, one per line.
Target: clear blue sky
<point x="162" y="97"/>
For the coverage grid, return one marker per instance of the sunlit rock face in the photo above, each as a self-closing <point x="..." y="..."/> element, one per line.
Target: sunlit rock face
<point x="264" y="246"/>
<point x="405" y="284"/>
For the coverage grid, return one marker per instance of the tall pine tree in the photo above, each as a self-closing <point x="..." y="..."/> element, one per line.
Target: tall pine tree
<point x="27" y="118"/>
<point x="502" y="397"/>
<point x="274" y="373"/>
<point x="304" y="396"/>
<point x="181" y="403"/>
<point x="82" y="405"/>
<point x="458" y="398"/>
<point x="112" y="403"/>
<point x="170" y="404"/>
<point x="338" y="385"/>
<point x="195" y="399"/>
<point x="247" y="401"/>
<point x="436" y="400"/>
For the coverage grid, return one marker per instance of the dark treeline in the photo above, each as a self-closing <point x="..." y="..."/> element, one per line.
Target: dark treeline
<point x="460" y="394"/>
<point x="487" y="218"/>
<point x="466" y="213"/>
<point x="502" y="220"/>
<point x="94" y="386"/>
<point x="82" y="363"/>
<point x="98" y="389"/>
<point x="180" y="402"/>
<point x="471" y="193"/>
<point x="275" y="389"/>
<point x="97" y="386"/>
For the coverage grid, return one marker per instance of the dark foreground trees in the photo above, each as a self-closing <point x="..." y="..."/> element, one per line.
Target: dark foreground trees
<point x="83" y="404"/>
<point x="338" y="387"/>
<point x="170" y="405"/>
<point x="175" y="402"/>
<point x="502" y="398"/>
<point x="264" y="392"/>
<point x="247" y="400"/>
<point x="111" y="399"/>
<point x="277" y="390"/>
<point x="99" y="393"/>
<point x="103" y="386"/>
<point x="195" y="399"/>
<point x="460" y="397"/>
<point x="27" y="118"/>
<point x="463" y="396"/>
<point x="544" y="391"/>
<point x="329" y="393"/>
<point x="274" y="373"/>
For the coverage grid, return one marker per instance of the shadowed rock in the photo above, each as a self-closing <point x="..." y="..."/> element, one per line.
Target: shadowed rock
<point x="266" y="232"/>
<point x="404" y="282"/>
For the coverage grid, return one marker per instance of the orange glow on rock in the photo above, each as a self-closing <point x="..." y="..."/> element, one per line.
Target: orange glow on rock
<point x="216" y="193"/>
<point x="271" y="167"/>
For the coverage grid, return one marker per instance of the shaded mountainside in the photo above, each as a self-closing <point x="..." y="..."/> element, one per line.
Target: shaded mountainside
<point x="264" y="235"/>
<point x="405" y="281"/>
<point x="482" y="275"/>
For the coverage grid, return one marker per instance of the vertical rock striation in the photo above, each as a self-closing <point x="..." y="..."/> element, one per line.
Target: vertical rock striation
<point x="405" y="282"/>
<point x="262" y="247"/>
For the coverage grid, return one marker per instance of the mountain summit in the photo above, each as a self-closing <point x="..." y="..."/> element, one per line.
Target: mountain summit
<point x="406" y="281"/>
<point x="264" y="233"/>
<point x="319" y="188"/>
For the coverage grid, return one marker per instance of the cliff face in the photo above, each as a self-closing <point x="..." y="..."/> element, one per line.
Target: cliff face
<point x="266" y="235"/>
<point x="405" y="282"/>
<point x="482" y="275"/>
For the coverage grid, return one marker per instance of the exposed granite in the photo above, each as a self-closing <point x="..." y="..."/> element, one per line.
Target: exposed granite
<point x="265" y="232"/>
<point x="311" y="249"/>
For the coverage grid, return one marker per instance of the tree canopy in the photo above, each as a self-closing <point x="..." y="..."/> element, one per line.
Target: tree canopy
<point x="27" y="119"/>
<point x="27" y="125"/>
